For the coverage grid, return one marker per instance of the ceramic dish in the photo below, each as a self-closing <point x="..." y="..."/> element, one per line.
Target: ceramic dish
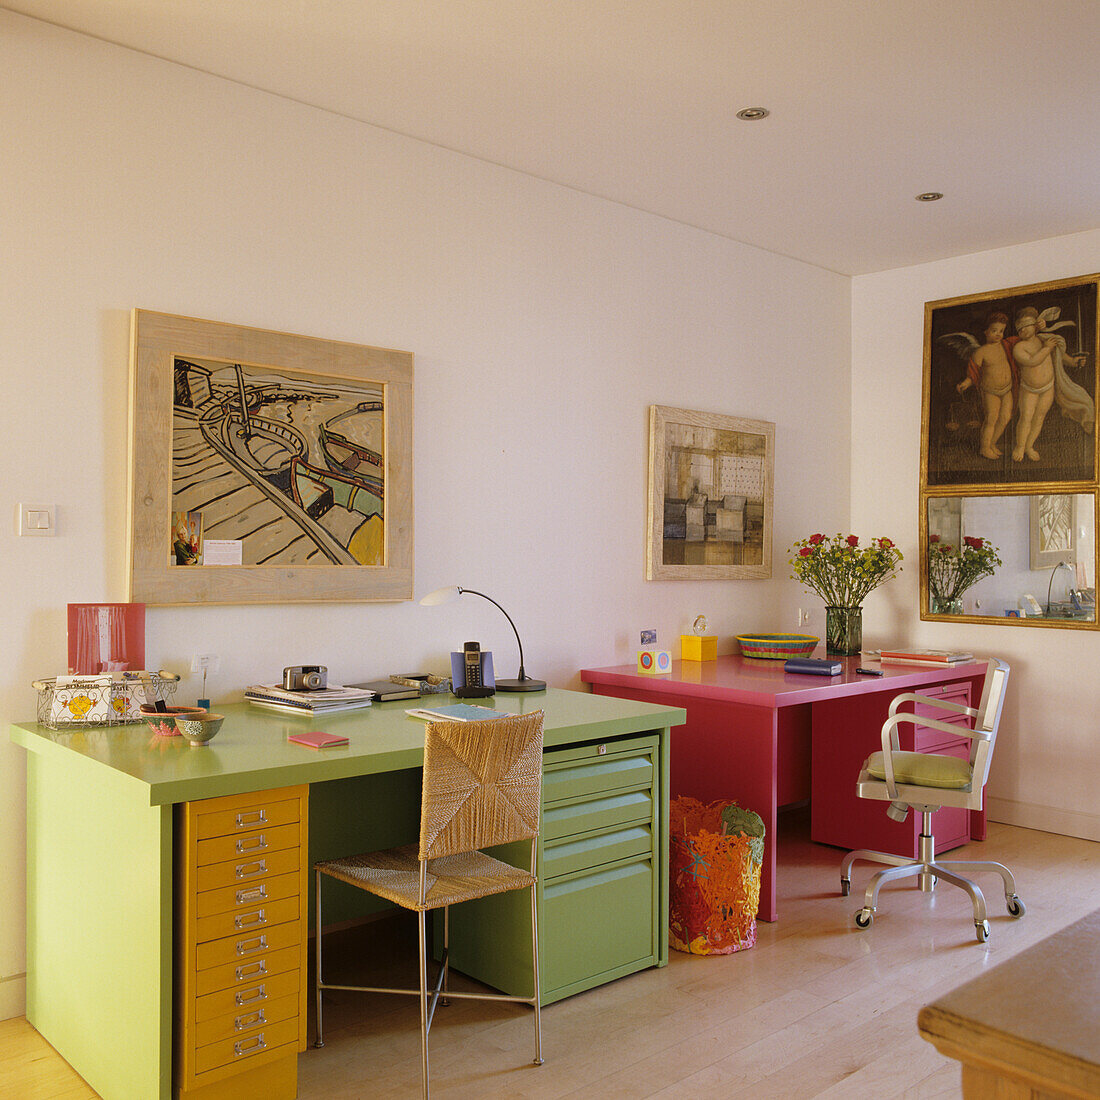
<point x="163" y="722"/>
<point x="199" y="731"/>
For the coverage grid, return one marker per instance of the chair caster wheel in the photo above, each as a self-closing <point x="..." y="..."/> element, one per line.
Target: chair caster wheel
<point x="982" y="929"/>
<point x="845" y="887"/>
<point x="1016" y="907"/>
<point x="864" y="918"/>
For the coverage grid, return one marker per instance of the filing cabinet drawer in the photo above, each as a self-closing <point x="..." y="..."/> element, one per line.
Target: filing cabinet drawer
<point x="251" y="918"/>
<point x="597" y="813"/>
<point x="245" y="973"/>
<point x="246" y="895"/>
<point x="246" y="818"/>
<point x="614" y="770"/>
<point x="243" y="1021"/>
<point x="247" y="869"/>
<point x="246" y="945"/>
<point x="926" y="739"/>
<point x="252" y="994"/>
<point x="221" y="849"/>
<point x="237" y="1051"/>
<point x="595" y="849"/>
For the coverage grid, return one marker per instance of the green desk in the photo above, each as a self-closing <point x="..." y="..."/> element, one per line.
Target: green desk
<point x="100" y="836"/>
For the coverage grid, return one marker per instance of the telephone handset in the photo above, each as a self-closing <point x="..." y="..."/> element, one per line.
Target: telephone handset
<point x="471" y="655"/>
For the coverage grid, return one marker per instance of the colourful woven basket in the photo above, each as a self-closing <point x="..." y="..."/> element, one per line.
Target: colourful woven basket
<point x="777" y="647"/>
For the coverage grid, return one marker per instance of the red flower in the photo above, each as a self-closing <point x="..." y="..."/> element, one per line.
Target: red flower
<point x="933" y="538"/>
<point x="816" y="540"/>
<point x="884" y="544"/>
<point x="805" y="552"/>
<point x="852" y="540"/>
<point x="974" y="544"/>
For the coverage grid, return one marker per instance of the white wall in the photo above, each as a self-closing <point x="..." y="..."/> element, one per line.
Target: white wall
<point x="543" y="322"/>
<point x="1046" y="767"/>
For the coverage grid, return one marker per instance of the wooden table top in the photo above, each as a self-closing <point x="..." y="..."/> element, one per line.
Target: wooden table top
<point x="1036" y="1016"/>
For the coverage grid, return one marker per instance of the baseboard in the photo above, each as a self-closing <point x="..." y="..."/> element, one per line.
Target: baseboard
<point x="13" y="996"/>
<point x="1029" y="815"/>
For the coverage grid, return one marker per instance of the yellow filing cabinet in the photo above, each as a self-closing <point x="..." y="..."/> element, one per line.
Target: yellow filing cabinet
<point x="241" y="945"/>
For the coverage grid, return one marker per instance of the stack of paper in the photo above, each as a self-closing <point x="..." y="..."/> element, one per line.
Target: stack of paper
<point x="325" y="701"/>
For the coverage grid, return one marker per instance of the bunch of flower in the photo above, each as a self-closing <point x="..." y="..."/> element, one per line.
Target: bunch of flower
<point x="952" y="570"/>
<point x="839" y="570"/>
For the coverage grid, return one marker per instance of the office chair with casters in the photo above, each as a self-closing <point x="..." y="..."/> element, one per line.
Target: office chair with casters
<point x="482" y="787"/>
<point x="925" y="782"/>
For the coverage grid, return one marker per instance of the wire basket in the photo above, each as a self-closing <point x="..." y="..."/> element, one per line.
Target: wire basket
<point x="86" y="701"/>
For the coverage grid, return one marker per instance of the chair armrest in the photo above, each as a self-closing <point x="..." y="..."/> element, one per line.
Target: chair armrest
<point x="931" y="701"/>
<point x="890" y="743"/>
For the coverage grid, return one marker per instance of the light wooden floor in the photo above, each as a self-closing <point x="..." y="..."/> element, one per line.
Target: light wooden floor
<point x="815" y="1009"/>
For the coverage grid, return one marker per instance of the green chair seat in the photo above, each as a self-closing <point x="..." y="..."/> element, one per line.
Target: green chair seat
<point x="921" y="769"/>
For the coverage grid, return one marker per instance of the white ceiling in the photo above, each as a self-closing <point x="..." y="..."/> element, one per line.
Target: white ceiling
<point x="996" y="103"/>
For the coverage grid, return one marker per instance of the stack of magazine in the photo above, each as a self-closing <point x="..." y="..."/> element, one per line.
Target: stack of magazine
<point x="325" y="701"/>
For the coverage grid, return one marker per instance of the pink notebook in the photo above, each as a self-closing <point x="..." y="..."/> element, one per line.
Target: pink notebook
<point x="316" y="739"/>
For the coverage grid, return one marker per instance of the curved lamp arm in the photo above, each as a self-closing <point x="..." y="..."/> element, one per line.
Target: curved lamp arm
<point x="452" y="592"/>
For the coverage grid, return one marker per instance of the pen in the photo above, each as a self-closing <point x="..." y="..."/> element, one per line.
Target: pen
<point x="869" y="671"/>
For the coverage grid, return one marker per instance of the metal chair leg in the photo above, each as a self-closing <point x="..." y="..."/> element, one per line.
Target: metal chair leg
<point x="319" y="1041"/>
<point x="535" y="969"/>
<point x="422" y="921"/>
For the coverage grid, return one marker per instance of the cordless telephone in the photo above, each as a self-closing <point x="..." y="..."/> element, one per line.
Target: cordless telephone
<point x="471" y="654"/>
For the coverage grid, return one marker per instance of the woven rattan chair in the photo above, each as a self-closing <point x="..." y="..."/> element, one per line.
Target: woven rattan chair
<point x="482" y="787"/>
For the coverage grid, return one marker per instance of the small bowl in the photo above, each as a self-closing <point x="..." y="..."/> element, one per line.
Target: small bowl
<point x="200" y="731"/>
<point x="163" y="722"/>
<point x="777" y="647"/>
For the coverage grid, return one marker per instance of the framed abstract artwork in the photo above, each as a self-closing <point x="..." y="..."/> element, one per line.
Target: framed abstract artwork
<point x="266" y="467"/>
<point x="710" y="496"/>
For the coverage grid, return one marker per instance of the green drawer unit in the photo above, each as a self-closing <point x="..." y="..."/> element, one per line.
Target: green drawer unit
<point x="602" y="880"/>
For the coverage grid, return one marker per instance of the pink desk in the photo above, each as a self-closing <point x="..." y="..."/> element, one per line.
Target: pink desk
<point x="749" y="728"/>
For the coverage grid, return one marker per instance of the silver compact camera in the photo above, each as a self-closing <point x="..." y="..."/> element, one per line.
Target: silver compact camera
<point x="305" y="678"/>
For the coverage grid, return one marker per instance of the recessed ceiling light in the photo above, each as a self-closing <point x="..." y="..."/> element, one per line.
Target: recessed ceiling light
<point x="752" y="114"/>
<point x="929" y="196"/>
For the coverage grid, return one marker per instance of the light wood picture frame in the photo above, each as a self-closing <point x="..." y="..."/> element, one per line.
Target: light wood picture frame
<point x="1052" y="528"/>
<point x="709" y="514"/>
<point x="266" y="467"/>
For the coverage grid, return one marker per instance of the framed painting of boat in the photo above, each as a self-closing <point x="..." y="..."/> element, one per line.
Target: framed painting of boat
<point x="267" y="467"/>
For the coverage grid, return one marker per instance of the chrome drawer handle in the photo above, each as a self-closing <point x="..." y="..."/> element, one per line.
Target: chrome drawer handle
<point x="251" y="844"/>
<point x="243" y="1023"/>
<point x="258" y="817"/>
<point x="249" y="996"/>
<point x="254" y="893"/>
<point x="250" y="947"/>
<point x="249" y="1046"/>
<point x="249" y="920"/>
<point x="251" y="970"/>
<point x="251" y="870"/>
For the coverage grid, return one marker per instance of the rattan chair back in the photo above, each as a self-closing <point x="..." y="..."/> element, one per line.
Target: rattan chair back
<point x="482" y="784"/>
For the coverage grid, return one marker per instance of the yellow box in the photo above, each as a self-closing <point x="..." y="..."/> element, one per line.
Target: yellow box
<point x="696" y="647"/>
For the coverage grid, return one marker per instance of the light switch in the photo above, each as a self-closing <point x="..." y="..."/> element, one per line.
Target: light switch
<point x="37" y="520"/>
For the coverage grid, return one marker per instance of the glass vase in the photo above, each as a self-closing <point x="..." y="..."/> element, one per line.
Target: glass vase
<point x="941" y="606"/>
<point x="843" y="631"/>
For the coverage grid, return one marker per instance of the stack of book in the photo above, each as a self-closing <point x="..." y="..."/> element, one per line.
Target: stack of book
<point x="325" y="701"/>
<point x="940" y="657"/>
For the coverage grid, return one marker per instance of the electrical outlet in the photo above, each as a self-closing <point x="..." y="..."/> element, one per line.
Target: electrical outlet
<point x="204" y="662"/>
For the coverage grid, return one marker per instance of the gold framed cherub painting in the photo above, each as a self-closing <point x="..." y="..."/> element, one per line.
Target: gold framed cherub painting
<point x="1010" y="386"/>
